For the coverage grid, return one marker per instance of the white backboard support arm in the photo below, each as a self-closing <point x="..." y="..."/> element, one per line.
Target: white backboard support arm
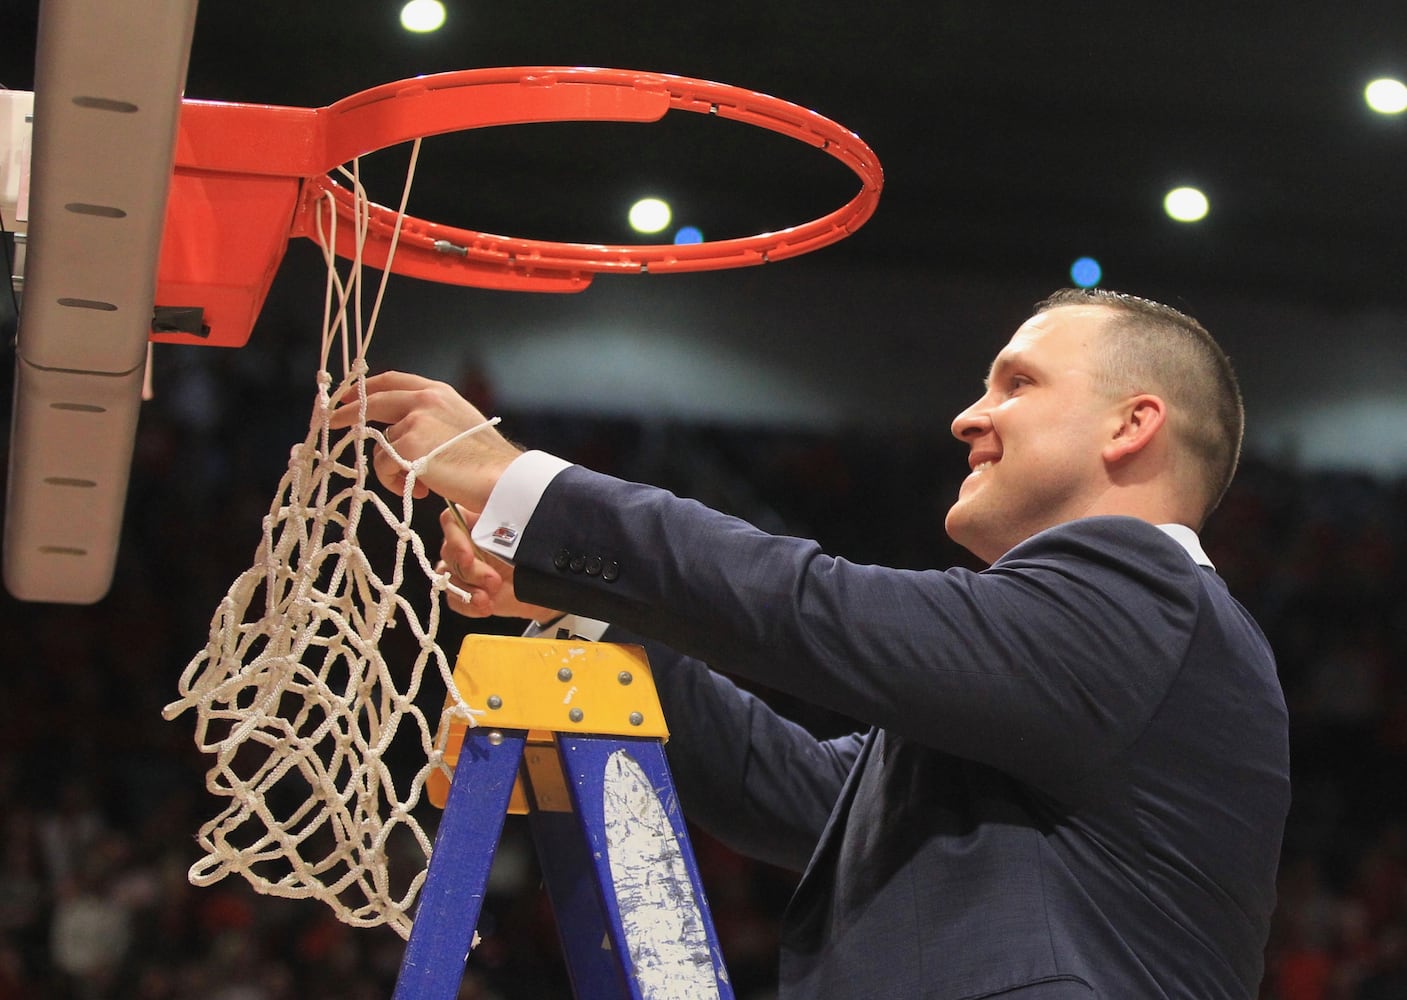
<point x="109" y="78"/>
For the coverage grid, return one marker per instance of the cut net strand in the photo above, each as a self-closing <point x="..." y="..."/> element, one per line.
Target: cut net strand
<point x="296" y="697"/>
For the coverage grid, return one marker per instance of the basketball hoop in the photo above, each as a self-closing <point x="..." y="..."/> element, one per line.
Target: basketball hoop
<point x="249" y="177"/>
<point x="295" y="699"/>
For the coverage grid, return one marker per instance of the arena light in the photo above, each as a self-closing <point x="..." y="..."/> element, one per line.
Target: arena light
<point x="687" y="235"/>
<point x="1386" y="96"/>
<point x="649" y="215"/>
<point x="1186" y="204"/>
<point x="423" y="16"/>
<point x="1086" y="272"/>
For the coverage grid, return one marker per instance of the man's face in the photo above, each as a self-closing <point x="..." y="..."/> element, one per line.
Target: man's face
<point x="1036" y="435"/>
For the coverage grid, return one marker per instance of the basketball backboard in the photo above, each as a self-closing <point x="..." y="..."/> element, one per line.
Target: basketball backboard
<point x="156" y="219"/>
<point x="88" y="208"/>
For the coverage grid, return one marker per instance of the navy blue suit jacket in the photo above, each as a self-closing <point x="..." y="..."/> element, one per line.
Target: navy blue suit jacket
<point x="1077" y="773"/>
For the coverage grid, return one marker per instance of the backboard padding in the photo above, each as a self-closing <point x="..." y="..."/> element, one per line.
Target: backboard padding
<point x="109" y="77"/>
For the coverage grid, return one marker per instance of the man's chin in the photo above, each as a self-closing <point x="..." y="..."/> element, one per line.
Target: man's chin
<point x="958" y="525"/>
<point x="960" y="528"/>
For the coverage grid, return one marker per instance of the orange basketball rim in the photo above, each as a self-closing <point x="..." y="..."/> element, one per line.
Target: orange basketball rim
<point x="249" y="177"/>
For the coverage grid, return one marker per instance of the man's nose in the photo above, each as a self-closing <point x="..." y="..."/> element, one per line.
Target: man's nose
<point x="971" y="422"/>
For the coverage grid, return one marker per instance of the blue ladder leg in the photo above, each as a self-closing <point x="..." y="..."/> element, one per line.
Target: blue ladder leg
<point x="570" y="878"/>
<point x="433" y="965"/>
<point x="656" y="916"/>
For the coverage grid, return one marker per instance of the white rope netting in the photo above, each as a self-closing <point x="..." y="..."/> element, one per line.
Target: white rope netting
<point x="293" y="694"/>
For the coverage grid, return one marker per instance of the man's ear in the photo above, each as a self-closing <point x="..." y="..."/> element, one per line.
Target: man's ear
<point x="1142" y="416"/>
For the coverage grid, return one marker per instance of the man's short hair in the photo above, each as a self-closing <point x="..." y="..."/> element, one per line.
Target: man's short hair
<point x="1150" y="347"/>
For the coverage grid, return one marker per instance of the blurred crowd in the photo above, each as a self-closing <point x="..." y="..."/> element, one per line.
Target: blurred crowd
<point x="100" y="797"/>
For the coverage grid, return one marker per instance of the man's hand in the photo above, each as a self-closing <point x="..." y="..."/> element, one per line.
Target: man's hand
<point x="488" y="580"/>
<point x="420" y="415"/>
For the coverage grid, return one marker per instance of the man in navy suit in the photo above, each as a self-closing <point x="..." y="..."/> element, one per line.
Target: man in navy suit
<point x="1076" y="773"/>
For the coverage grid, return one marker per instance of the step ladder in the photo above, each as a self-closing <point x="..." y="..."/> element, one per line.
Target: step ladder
<point x="572" y="735"/>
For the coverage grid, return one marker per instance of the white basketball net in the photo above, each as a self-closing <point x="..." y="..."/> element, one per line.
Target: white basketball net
<point x="293" y="697"/>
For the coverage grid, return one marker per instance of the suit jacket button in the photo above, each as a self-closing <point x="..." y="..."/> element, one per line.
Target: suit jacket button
<point x="610" y="571"/>
<point x="593" y="566"/>
<point x="577" y="564"/>
<point x="562" y="558"/>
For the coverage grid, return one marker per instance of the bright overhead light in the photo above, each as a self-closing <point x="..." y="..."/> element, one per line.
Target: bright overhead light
<point x="1186" y="204"/>
<point x="649" y="215"/>
<point x="423" y="15"/>
<point x="1386" y="96"/>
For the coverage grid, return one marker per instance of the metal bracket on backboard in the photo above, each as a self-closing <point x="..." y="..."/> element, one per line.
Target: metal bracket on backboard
<point x="180" y="319"/>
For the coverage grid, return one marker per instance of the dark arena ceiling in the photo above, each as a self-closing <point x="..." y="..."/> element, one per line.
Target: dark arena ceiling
<point x="1015" y="136"/>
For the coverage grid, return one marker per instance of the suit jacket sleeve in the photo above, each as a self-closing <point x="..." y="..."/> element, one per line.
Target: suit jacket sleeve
<point x="758" y="782"/>
<point x="1046" y="665"/>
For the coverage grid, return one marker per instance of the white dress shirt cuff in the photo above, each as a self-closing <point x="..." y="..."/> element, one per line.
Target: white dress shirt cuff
<point x="513" y="501"/>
